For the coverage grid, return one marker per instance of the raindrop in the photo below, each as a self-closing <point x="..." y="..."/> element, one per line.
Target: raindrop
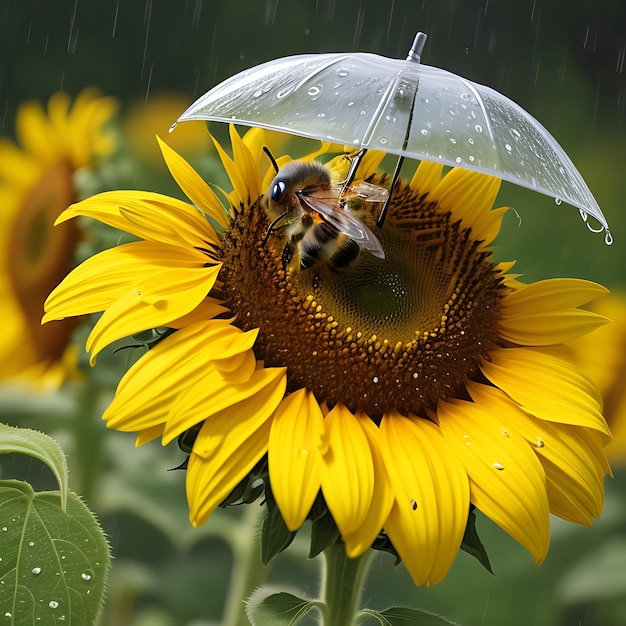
<point x="257" y="93"/>
<point x="85" y="576"/>
<point x="471" y="158"/>
<point x="453" y="112"/>
<point x="507" y="147"/>
<point x="478" y="128"/>
<point x="173" y="126"/>
<point x="414" y="505"/>
<point x="540" y="442"/>
<point x="382" y="140"/>
<point x="283" y="93"/>
<point x="425" y="132"/>
<point x="498" y="466"/>
<point x="342" y="71"/>
<point x="314" y="92"/>
<point x="516" y="134"/>
<point x="452" y="140"/>
<point x="350" y="104"/>
<point x="321" y="115"/>
<point x="458" y="159"/>
<point x="558" y="201"/>
<point x="53" y="604"/>
<point x="7" y="614"/>
<point x="471" y="141"/>
<point x="505" y="432"/>
<point x="36" y="570"/>
<point x="31" y="543"/>
<point x="4" y="529"/>
<point x="375" y="379"/>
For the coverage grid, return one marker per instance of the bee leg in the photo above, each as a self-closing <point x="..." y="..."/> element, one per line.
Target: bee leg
<point x="272" y="227"/>
<point x="287" y="255"/>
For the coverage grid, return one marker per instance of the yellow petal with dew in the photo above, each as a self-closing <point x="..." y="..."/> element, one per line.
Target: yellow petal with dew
<point x="348" y="472"/>
<point x="546" y="386"/>
<point x="215" y="393"/>
<point x="431" y="490"/>
<point x="211" y="479"/>
<point x="193" y="185"/>
<point x="571" y="456"/>
<point x="382" y="497"/>
<point x="147" y="215"/>
<point x="507" y="481"/>
<point x="100" y="280"/>
<point x="152" y="303"/>
<point x="146" y="392"/>
<point x="296" y="446"/>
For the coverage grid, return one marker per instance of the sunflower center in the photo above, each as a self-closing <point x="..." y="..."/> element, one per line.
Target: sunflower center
<point x="395" y="333"/>
<point x="39" y="256"/>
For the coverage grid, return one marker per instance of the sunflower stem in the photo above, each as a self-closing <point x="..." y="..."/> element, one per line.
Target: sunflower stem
<point x="342" y="583"/>
<point x="248" y="571"/>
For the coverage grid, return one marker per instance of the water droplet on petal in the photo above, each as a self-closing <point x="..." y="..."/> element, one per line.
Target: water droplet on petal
<point x="498" y="466"/>
<point x="540" y="442"/>
<point x="414" y="505"/>
<point x="505" y="432"/>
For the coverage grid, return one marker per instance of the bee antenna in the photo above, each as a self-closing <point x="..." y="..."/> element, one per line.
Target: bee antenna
<point x="270" y="156"/>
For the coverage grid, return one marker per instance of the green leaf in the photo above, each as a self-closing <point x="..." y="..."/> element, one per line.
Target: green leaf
<point x="39" y="446"/>
<point x="270" y="608"/>
<point x="405" y="616"/>
<point x="473" y="545"/>
<point x="54" y="560"/>
<point x="324" y="532"/>
<point x="275" y="536"/>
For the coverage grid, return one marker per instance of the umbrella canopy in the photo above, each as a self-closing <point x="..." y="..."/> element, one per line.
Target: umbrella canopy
<point x="404" y="108"/>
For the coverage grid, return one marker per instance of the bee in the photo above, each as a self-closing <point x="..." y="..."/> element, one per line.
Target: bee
<point x="319" y="227"/>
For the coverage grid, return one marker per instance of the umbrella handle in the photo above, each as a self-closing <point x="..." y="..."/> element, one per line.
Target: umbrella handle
<point x="415" y="53"/>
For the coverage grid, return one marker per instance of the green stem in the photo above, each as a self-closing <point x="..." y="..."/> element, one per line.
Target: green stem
<point x="248" y="571"/>
<point x="342" y="583"/>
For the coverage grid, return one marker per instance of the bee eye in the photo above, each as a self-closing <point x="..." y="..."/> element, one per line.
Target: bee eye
<point x="278" y="190"/>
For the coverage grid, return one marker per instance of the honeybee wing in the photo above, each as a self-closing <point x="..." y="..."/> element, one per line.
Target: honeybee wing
<point x="346" y="224"/>
<point x="369" y="191"/>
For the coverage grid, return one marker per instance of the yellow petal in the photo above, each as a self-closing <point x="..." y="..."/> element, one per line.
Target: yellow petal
<point x="150" y="387"/>
<point x="193" y="185"/>
<point x="295" y="455"/>
<point x="214" y="393"/>
<point x="546" y="386"/>
<point x="507" y="482"/>
<point x="211" y="479"/>
<point x="147" y="215"/>
<point x="427" y="176"/>
<point x="571" y="456"/>
<point x="247" y="165"/>
<point x="348" y="476"/>
<point x="153" y="302"/>
<point x="206" y="310"/>
<point x="428" y="519"/>
<point x="382" y="496"/>
<point x="107" y="276"/>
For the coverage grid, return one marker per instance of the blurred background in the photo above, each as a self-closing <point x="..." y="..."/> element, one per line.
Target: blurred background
<point x="561" y="61"/>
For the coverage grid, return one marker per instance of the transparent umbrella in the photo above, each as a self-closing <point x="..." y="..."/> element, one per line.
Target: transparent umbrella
<point x="401" y="107"/>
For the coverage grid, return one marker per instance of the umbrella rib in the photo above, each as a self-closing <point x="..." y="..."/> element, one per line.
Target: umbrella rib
<point x="481" y="104"/>
<point x="369" y="131"/>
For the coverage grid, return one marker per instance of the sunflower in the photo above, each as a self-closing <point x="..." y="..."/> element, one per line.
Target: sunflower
<point x="602" y="356"/>
<point x="402" y="392"/>
<point x="36" y="185"/>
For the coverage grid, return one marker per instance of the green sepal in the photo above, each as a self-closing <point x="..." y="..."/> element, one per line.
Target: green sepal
<point x="55" y="560"/>
<point x="324" y="533"/>
<point x="404" y="616"/>
<point x="473" y="545"/>
<point x="267" y="607"/>
<point x="40" y="446"/>
<point x="275" y="536"/>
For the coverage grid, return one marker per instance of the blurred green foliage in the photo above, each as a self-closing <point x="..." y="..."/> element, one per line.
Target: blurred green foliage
<point x="562" y="61"/>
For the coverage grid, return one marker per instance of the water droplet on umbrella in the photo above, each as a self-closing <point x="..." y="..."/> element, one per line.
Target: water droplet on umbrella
<point x="7" y="614"/>
<point x="53" y="604"/>
<point x="507" y="147"/>
<point x="257" y="94"/>
<point x="85" y="576"/>
<point x="36" y="570"/>
<point x="558" y="201"/>
<point x="452" y="140"/>
<point x="470" y="140"/>
<point x="31" y="543"/>
<point x="343" y="71"/>
<point x="498" y="466"/>
<point x="478" y="128"/>
<point x="425" y="132"/>
<point x="458" y="159"/>
<point x="314" y="92"/>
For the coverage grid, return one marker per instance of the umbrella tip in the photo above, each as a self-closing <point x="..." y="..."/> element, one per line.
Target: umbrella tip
<point x="415" y="53"/>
